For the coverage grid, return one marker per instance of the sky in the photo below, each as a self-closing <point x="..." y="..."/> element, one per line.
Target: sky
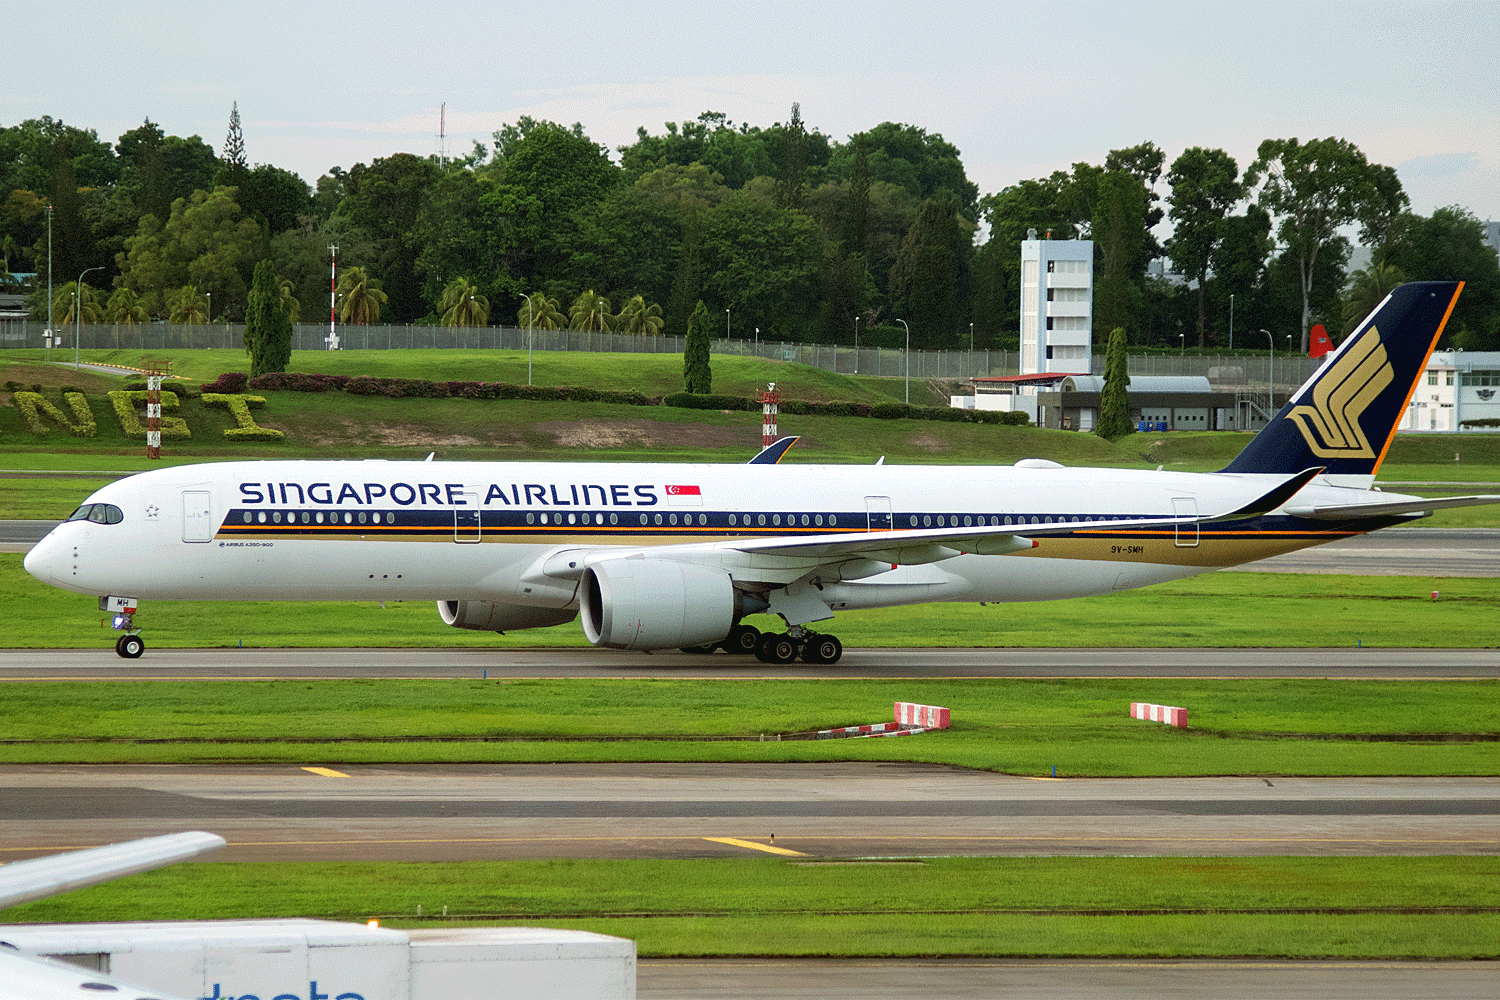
<point x="1021" y="89"/>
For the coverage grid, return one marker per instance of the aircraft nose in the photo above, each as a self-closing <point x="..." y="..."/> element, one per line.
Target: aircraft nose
<point x="45" y="559"/>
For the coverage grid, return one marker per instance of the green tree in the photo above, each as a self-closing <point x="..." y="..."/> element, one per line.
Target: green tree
<point x="205" y="244"/>
<point x="1119" y="232"/>
<point x="125" y="308"/>
<point x="539" y="312"/>
<point x="273" y="197"/>
<point x="188" y="306"/>
<point x="791" y="182"/>
<point x="696" y="375"/>
<point x="235" y="166"/>
<point x="589" y="311"/>
<point x="1367" y="287"/>
<point x="462" y="305"/>
<point x="268" y="329"/>
<point x="360" y="297"/>
<point x="385" y="200"/>
<point x="1114" y="401"/>
<point x="1448" y="245"/>
<point x="1316" y="188"/>
<point x="69" y="306"/>
<point x="289" y="303"/>
<point x="637" y="316"/>
<point x="761" y="262"/>
<point x="1205" y="185"/>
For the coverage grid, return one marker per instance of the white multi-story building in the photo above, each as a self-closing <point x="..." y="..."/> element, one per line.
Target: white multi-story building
<point x="1057" y="305"/>
<point x="1458" y="386"/>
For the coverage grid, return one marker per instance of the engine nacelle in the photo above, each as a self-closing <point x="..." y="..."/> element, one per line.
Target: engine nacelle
<point x="655" y="604"/>
<point x="488" y="617"/>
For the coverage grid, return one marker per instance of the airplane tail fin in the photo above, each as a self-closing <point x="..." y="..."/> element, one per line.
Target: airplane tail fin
<point x="1344" y="417"/>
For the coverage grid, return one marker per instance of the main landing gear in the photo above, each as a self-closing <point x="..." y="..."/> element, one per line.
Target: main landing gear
<point x="770" y="647"/>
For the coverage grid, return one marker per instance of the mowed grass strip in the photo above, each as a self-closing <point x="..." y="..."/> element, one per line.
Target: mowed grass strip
<point x="1167" y="907"/>
<point x="1213" y="610"/>
<point x="1025" y="727"/>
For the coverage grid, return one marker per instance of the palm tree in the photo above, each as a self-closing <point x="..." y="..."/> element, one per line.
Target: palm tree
<point x="125" y="307"/>
<point x="187" y="306"/>
<point x="1366" y="289"/>
<point x="590" y="311"/>
<point x="638" y="317"/>
<point x="362" y="296"/>
<point x="462" y="305"/>
<point x="540" y="313"/>
<point x="76" y="308"/>
<point x="289" y="302"/>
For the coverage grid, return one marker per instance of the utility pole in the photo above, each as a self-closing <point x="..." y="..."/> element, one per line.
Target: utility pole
<point x="47" y="340"/>
<point x="333" y="272"/>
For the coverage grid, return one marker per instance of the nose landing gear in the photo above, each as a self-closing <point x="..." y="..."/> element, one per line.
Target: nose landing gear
<point x="130" y="645"/>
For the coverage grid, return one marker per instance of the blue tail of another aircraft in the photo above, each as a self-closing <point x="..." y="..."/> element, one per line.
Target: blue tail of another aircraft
<point x="1345" y="416"/>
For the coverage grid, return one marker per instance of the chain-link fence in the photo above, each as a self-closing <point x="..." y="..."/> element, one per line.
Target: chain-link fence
<point x="1220" y="370"/>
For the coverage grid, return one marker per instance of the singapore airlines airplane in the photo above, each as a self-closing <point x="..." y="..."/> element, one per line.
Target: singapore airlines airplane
<point x="671" y="556"/>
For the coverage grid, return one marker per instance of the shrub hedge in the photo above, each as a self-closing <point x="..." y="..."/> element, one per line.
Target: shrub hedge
<point x="33" y="406"/>
<point x="398" y="388"/>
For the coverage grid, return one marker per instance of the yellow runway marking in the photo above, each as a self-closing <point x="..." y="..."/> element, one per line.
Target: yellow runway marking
<point x="326" y="772"/>
<point x="753" y="846"/>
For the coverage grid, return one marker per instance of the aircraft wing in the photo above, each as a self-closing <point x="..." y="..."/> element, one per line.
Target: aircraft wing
<point x="1411" y="505"/>
<point x="23" y="977"/>
<point x="39" y="878"/>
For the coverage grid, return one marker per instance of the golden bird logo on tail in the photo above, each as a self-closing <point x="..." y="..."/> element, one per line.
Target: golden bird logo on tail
<point x="1330" y="426"/>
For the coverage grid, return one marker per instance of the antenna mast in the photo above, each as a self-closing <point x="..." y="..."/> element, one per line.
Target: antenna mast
<point x="333" y="271"/>
<point x="443" y="135"/>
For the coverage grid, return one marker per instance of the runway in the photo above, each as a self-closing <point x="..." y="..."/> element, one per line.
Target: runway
<point x="469" y="663"/>
<point x="836" y="810"/>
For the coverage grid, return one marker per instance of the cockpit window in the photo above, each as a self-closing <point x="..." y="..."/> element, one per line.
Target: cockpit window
<point x="100" y="513"/>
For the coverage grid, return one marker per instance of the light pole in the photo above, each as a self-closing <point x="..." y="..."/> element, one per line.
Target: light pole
<point x="47" y="341"/>
<point x="856" y="343"/>
<point x="726" y="324"/>
<point x="1231" y="321"/>
<point x="1181" y="344"/>
<point x="971" y="338"/>
<point x="78" y="314"/>
<point x="757" y="341"/>
<point x="908" y="360"/>
<point x="1271" y="378"/>
<point x="530" y="336"/>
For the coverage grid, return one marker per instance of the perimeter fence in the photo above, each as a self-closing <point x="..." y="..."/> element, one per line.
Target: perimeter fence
<point x="1249" y="370"/>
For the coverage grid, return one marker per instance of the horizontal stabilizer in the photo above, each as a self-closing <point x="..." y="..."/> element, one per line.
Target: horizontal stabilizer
<point x="1273" y="499"/>
<point x="38" y="878"/>
<point x="1411" y="505"/>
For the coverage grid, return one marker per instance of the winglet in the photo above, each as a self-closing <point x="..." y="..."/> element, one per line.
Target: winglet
<point x="772" y="454"/>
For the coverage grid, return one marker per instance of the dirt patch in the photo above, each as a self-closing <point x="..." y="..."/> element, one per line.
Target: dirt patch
<point x="347" y="432"/>
<point x="647" y="433"/>
<point x="929" y="442"/>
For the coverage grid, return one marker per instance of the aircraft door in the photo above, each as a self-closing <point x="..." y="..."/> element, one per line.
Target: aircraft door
<point x="878" y="513"/>
<point x="466" y="519"/>
<point x="1187" y="534"/>
<point x="197" y="516"/>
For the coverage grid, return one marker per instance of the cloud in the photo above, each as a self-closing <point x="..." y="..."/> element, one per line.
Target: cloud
<point x="1439" y="165"/>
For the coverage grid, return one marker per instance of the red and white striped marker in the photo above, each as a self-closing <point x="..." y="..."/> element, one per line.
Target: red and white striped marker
<point x="927" y="716"/>
<point x="1159" y="713"/>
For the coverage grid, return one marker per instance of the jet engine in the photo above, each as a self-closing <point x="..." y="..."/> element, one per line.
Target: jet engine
<point x="655" y="604"/>
<point x="488" y="617"/>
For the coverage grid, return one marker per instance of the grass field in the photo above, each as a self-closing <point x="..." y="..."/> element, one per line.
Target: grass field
<point x="1349" y="908"/>
<point x="1079" y="727"/>
<point x="1216" y="610"/>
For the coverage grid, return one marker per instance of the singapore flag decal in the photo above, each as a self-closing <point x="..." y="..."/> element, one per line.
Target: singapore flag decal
<point x="684" y="496"/>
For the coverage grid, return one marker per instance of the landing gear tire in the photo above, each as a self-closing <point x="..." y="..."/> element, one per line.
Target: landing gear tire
<point x="822" y="649"/>
<point x="742" y="639"/>
<point x="776" y="649"/>
<point x="701" y="650"/>
<point x="130" y="646"/>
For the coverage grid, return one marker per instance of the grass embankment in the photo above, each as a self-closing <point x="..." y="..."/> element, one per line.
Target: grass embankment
<point x="1028" y="727"/>
<point x="1369" y="908"/>
<point x="1214" y="610"/>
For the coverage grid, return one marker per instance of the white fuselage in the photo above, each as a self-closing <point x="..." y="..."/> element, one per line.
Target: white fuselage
<point x="378" y="530"/>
